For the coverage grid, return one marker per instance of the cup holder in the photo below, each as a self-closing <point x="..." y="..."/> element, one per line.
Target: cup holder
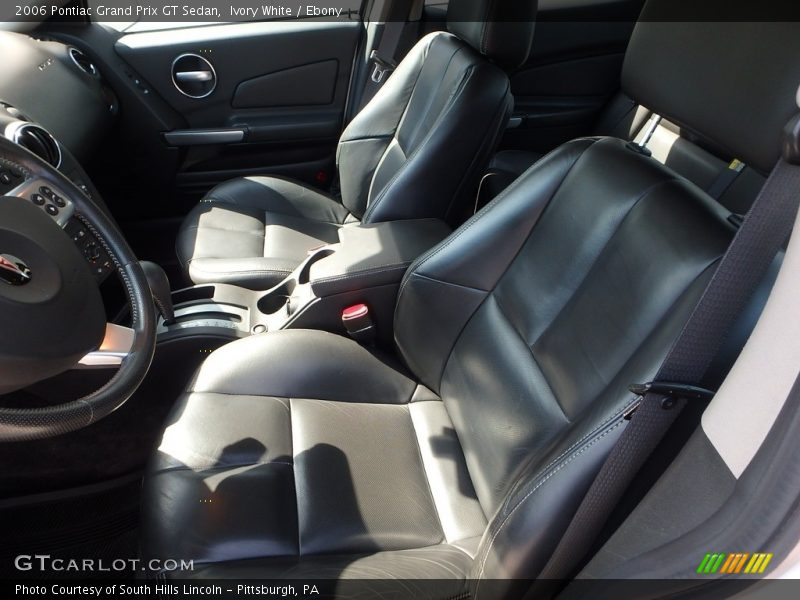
<point x="280" y="297"/>
<point x="277" y="298"/>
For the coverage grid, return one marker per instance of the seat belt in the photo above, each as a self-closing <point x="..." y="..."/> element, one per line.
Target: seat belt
<point x="382" y="62"/>
<point x="383" y="57"/>
<point x="763" y="233"/>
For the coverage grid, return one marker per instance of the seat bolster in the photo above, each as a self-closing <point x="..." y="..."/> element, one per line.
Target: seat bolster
<point x="528" y="525"/>
<point x="257" y="273"/>
<point x="304" y="364"/>
<point x="433" y="572"/>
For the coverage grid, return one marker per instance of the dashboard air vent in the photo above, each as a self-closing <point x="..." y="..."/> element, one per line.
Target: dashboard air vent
<point x="83" y="63"/>
<point x="39" y="142"/>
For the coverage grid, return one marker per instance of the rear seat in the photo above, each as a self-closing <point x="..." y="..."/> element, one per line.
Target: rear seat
<point x="683" y="153"/>
<point x="621" y="118"/>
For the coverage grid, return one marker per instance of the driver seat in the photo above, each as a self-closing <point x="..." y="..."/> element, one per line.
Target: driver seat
<point x="417" y="150"/>
<point x="300" y="454"/>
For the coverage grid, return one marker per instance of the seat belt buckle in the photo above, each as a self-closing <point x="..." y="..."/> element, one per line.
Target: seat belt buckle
<point x="382" y="68"/>
<point x="672" y="392"/>
<point x="358" y="323"/>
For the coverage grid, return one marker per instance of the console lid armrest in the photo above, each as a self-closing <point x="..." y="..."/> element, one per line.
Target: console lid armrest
<point x="374" y="255"/>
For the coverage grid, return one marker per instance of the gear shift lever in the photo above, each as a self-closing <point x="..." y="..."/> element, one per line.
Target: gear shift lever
<point x="159" y="287"/>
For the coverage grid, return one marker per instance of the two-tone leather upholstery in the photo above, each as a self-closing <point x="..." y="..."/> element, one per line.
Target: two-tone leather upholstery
<point x="301" y="454"/>
<point x="417" y="150"/>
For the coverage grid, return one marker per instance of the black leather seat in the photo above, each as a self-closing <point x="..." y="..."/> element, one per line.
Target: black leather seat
<point x="417" y="150"/>
<point x="302" y="454"/>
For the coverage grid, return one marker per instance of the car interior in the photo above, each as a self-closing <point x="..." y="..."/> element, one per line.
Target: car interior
<point x="384" y="297"/>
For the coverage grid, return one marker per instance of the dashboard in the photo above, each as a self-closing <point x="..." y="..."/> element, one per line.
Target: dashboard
<point x="57" y="87"/>
<point x="55" y="103"/>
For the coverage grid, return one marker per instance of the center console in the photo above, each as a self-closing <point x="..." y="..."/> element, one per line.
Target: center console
<point x="365" y="267"/>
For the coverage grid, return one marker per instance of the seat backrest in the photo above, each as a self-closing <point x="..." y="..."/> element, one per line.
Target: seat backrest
<point x="419" y="147"/>
<point x="533" y="318"/>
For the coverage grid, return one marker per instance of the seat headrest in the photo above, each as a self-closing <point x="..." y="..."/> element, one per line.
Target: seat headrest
<point x="501" y="30"/>
<point x="732" y="83"/>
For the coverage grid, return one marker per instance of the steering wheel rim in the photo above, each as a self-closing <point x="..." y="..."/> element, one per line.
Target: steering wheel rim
<point x="18" y="424"/>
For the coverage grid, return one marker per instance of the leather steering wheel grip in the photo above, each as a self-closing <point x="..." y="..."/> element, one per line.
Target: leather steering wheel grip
<point x="18" y="424"/>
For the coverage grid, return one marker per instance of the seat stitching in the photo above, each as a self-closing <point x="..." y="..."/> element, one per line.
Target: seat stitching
<point x="425" y="473"/>
<point x="390" y="136"/>
<point x="210" y="200"/>
<point x="386" y="267"/>
<point x="411" y="272"/>
<point x="339" y="555"/>
<point x="477" y="216"/>
<point x="582" y="440"/>
<point x="362" y="272"/>
<point x="531" y="492"/>
<point x="445" y="111"/>
<point x="513" y="327"/>
<point x="294" y="480"/>
<point x="225" y="229"/>
<point x="253" y="271"/>
<point x="211" y="467"/>
<point x="193" y="391"/>
<point x="451" y="284"/>
<point x="367" y="138"/>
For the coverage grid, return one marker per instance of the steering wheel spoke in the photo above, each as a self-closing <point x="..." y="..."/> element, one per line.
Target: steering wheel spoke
<point x="116" y="347"/>
<point x="48" y="197"/>
<point x="56" y="245"/>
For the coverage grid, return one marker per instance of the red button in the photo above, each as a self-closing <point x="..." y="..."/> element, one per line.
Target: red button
<point x="356" y="311"/>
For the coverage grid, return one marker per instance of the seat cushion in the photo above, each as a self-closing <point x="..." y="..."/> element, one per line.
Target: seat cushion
<point x="261" y="460"/>
<point x="254" y="231"/>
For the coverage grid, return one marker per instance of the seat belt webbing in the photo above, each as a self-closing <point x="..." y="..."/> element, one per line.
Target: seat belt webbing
<point x="763" y="233"/>
<point x="383" y="57"/>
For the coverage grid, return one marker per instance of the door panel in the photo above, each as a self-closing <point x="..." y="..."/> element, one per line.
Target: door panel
<point x="279" y="93"/>
<point x="290" y="87"/>
<point x="573" y="70"/>
<point x="240" y="53"/>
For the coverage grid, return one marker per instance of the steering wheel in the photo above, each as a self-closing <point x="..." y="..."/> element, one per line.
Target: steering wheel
<point x="51" y="313"/>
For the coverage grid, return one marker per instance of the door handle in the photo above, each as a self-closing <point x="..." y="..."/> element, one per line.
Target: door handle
<point x="194" y="76"/>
